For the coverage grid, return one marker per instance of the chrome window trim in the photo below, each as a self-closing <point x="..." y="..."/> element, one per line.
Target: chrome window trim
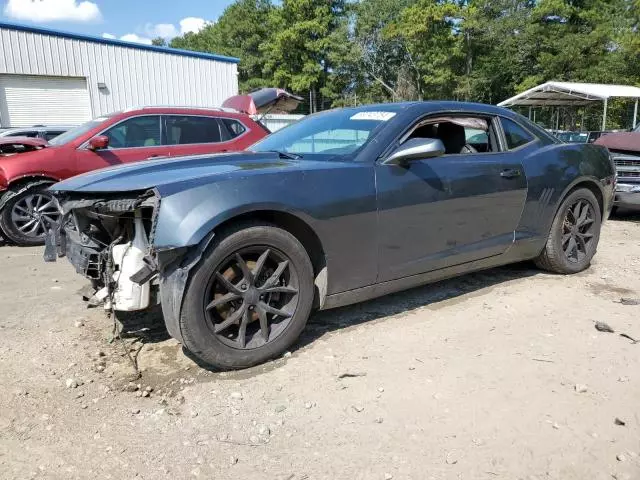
<point x="85" y="145"/>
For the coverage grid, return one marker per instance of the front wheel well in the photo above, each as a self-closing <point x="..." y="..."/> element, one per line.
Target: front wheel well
<point x="24" y="181"/>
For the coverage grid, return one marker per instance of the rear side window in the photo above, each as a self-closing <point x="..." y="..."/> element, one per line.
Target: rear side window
<point x="515" y="135"/>
<point x="184" y="130"/>
<point x="234" y="127"/>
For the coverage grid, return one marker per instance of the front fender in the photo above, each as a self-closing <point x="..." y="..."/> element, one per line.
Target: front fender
<point x="338" y="203"/>
<point x="186" y="218"/>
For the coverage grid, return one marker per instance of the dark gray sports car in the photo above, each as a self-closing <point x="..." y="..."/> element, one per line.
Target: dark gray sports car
<point x="343" y="206"/>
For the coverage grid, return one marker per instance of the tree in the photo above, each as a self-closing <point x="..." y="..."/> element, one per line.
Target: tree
<point x="342" y="52"/>
<point x="241" y="31"/>
<point x="159" y="42"/>
<point x="384" y="57"/>
<point x="303" y="42"/>
<point x="430" y="29"/>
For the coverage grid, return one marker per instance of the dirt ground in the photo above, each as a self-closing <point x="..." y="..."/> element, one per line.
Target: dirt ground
<point x="496" y="375"/>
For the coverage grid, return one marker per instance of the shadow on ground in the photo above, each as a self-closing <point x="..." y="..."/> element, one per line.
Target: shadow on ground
<point x="148" y="327"/>
<point x="626" y="215"/>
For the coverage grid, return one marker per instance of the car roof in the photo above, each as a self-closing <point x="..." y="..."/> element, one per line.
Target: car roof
<point x="433" y="105"/>
<point x="36" y="127"/>
<point x="180" y="110"/>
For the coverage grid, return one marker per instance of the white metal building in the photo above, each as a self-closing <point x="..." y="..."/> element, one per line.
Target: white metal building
<point x="49" y="77"/>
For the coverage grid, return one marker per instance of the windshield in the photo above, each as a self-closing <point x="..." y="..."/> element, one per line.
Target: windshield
<point x="77" y="132"/>
<point x="336" y="132"/>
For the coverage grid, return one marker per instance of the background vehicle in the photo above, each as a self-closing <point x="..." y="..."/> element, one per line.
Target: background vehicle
<point x="573" y="137"/>
<point x="122" y="137"/>
<point x="625" y="150"/>
<point x="37" y="131"/>
<point x="15" y="145"/>
<point x="343" y="206"/>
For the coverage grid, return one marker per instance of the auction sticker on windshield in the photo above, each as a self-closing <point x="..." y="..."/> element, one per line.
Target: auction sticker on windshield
<point x="379" y="116"/>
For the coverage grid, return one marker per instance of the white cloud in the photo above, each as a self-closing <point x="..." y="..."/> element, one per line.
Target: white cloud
<point x="132" y="37"/>
<point x="129" y="37"/>
<point x="192" y="25"/>
<point x="169" y="30"/>
<point x="164" y="30"/>
<point x="53" y="10"/>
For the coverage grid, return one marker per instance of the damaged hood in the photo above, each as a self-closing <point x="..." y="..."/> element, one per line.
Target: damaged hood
<point x="14" y="145"/>
<point x="171" y="174"/>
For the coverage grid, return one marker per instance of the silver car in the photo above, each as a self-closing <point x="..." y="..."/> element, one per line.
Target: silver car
<point x="37" y="131"/>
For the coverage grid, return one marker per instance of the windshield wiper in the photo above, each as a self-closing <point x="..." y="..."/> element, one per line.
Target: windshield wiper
<point x="287" y="155"/>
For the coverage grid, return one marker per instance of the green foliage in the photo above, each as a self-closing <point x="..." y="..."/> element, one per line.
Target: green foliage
<point x="361" y="51"/>
<point x="306" y="36"/>
<point x="241" y="31"/>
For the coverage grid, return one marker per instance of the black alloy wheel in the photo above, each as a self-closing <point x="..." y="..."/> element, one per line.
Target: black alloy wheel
<point x="249" y="298"/>
<point x="578" y="230"/>
<point x="253" y="296"/>
<point x="574" y="235"/>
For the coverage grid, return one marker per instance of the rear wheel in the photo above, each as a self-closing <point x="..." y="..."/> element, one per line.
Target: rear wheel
<point x="27" y="215"/>
<point x="249" y="299"/>
<point x="573" y="239"/>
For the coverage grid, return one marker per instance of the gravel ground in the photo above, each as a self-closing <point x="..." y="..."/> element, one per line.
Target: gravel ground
<point x="493" y="375"/>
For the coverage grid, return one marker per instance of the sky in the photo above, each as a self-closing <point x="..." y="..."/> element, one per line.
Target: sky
<point x="131" y="20"/>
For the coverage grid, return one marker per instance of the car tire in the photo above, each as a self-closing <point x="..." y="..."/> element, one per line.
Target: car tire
<point x="220" y="276"/>
<point x="575" y="232"/>
<point x="16" y="217"/>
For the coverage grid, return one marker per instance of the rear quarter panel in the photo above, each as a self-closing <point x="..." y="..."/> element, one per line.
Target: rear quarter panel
<point x="552" y="172"/>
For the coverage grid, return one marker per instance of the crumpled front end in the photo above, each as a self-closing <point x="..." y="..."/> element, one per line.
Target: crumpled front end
<point x="108" y="240"/>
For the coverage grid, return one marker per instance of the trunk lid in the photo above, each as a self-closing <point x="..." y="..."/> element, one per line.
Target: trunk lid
<point x="264" y="100"/>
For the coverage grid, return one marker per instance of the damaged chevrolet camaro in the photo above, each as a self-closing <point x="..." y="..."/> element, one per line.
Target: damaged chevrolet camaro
<point x="343" y="206"/>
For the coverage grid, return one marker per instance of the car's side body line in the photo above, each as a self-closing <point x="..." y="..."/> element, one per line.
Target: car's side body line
<point x="519" y="251"/>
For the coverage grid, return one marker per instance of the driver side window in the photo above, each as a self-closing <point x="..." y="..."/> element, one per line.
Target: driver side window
<point x="135" y="132"/>
<point x="459" y="134"/>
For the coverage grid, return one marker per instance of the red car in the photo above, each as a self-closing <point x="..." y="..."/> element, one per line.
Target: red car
<point x="130" y="136"/>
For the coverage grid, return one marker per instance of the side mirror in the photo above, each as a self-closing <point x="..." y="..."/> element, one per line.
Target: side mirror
<point x="416" y="149"/>
<point x="99" y="143"/>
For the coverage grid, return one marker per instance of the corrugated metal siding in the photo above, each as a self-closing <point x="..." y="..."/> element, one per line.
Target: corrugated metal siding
<point x="133" y="77"/>
<point x="277" y="121"/>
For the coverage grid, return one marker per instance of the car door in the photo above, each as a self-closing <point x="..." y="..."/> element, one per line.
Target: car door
<point x="195" y="134"/>
<point x="451" y="209"/>
<point x="133" y="139"/>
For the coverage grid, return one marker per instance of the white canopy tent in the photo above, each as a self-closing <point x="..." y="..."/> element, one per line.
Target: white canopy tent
<point x="574" y="94"/>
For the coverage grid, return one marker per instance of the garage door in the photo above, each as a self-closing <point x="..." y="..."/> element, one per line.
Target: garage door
<point x="27" y="100"/>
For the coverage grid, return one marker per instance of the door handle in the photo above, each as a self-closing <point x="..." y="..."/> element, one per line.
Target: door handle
<point x="153" y="156"/>
<point x="510" y="173"/>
